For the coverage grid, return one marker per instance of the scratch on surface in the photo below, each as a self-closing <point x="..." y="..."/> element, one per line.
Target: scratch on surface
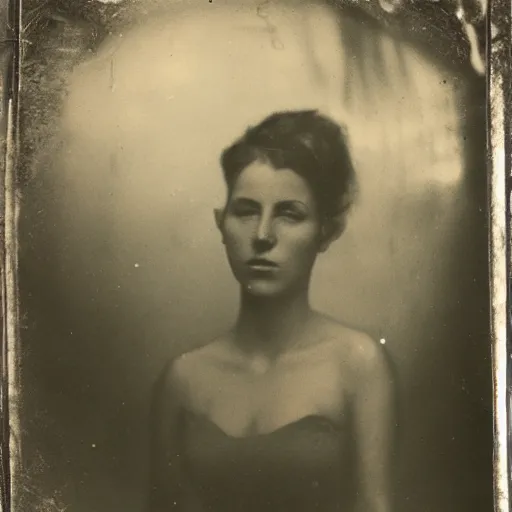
<point x="276" y="42"/>
<point x="112" y="74"/>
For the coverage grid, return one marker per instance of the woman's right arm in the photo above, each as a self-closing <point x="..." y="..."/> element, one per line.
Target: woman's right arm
<point x="165" y="492"/>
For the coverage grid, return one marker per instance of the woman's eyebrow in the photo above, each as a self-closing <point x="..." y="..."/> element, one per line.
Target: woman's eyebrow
<point x="285" y="202"/>
<point x="293" y="202"/>
<point x="246" y="200"/>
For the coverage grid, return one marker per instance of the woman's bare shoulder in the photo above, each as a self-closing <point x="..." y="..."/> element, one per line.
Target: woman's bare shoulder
<point x="213" y="350"/>
<point x="187" y="374"/>
<point x="199" y="361"/>
<point x="356" y="348"/>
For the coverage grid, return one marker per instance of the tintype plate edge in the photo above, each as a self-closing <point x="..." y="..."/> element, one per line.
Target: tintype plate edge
<point x="499" y="236"/>
<point x="10" y="342"/>
<point x="500" y="176"/>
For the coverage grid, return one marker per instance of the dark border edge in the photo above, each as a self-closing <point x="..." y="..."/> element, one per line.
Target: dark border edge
<point x="500" y="230"/>
<point x="9" y="392"/>
<point x="499" y="180"/>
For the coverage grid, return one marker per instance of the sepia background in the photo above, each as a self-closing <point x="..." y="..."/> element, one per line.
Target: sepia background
<point x="121" y="266"/>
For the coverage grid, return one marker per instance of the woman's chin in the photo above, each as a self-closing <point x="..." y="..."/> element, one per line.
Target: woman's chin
<point x="263" y="288"/>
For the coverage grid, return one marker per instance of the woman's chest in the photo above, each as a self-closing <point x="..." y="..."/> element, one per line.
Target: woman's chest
<point x="255" y="402"/>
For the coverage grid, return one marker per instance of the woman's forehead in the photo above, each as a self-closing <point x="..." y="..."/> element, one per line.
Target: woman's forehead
<point x="261" y="181"/>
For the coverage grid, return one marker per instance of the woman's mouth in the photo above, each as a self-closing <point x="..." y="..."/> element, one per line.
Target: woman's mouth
<point x="262" y="264"/>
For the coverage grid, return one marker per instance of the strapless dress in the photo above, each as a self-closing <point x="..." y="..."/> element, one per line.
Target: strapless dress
<point x="304" y="466"/>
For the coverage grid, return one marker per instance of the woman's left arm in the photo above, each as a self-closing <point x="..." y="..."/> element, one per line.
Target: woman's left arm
<point x="374" y="421"/>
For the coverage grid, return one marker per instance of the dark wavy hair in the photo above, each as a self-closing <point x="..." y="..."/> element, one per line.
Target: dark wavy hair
<point x="312" y="145"/>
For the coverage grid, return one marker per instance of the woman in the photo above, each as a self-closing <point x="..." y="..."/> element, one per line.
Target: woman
<point x="289" y="410"/>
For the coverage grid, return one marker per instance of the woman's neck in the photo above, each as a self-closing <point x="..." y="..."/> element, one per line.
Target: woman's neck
<point x="268" y="326"/>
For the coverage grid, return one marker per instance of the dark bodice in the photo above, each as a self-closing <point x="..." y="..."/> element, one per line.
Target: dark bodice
<point x="304" y="466"/>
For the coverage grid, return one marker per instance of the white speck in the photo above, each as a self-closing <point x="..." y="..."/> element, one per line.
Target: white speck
<point x="136" y="265"/>
<point x="382" y="341"/>
<point x="93" y="445"/>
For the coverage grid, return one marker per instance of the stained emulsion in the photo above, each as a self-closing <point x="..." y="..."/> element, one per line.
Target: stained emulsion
<point x="138" y="178"/>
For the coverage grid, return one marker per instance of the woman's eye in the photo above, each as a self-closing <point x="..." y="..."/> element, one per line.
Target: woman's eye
<point x="244" y="212"/>
<point x="292" y="215"/>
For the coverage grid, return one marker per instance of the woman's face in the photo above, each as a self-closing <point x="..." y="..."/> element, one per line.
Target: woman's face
<point x="271" y="230"/>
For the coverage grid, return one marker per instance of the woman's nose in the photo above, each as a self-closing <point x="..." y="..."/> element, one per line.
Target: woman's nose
<point x="265" y="236"/>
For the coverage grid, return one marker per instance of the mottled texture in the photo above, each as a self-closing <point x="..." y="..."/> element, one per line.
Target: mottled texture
<point x="121" y="265"/>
